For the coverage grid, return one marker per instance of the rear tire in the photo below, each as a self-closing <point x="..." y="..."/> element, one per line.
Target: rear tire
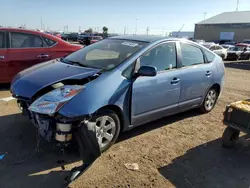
<point x="209" y="100"/>
<point x="230" y="137"/>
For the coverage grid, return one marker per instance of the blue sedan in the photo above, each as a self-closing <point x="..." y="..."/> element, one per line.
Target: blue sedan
<point x="117" y="84"/>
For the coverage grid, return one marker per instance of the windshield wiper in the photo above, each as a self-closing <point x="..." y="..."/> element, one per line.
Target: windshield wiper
<point x="72" y="62"/>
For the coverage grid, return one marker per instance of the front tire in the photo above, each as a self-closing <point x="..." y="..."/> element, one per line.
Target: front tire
<point x="108" y="128"/>
<point x="209" y="100"/>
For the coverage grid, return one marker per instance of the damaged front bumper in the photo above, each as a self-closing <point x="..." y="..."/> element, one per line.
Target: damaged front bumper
<point x="51" y="128"/>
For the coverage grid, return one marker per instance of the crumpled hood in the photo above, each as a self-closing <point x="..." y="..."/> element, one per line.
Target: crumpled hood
<point x="29" y="81"/>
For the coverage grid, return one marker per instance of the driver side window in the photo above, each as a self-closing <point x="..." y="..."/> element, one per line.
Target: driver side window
<point x="163" y="57"/>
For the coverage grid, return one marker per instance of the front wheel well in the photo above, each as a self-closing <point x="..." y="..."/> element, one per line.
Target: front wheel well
<point x="118" y="111"/>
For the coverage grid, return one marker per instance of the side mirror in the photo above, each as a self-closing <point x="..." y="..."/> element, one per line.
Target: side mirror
<point x="147" y="71"/>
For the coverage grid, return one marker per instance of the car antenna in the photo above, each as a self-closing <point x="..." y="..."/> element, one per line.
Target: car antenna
<point x="180" y="30"/>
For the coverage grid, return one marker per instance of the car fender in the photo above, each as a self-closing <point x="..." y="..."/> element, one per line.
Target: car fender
<point x="109" y="89"/>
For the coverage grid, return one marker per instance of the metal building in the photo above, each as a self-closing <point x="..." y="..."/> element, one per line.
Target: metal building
<point x="233" y="26"/>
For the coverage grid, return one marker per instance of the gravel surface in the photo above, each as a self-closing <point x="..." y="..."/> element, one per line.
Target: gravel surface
<point x="183" y="150"/>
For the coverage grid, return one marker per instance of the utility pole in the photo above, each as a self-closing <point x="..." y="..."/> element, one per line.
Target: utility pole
<point x="237" y="7"/>
<point x="205" y="15"/>
<point x="136" y="26"/>
<point x="124" y="30"/>
<point x="41" y="22"/>
<point x="147" y="30"/>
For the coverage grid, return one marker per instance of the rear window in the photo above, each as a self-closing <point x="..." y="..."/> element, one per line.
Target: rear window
<point x="49" y="42"/>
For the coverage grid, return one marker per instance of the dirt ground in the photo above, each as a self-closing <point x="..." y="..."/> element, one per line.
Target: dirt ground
<point x="183" y="150"/>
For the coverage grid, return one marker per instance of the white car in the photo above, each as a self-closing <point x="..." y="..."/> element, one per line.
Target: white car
<point x="219" y="50"/>
<point x="227" y="46"/>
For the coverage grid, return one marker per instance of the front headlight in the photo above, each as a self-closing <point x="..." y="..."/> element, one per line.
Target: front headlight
<point x="54" y="100"/>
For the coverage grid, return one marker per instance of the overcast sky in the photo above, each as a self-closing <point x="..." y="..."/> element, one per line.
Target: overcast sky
<point x="160" y="16"/>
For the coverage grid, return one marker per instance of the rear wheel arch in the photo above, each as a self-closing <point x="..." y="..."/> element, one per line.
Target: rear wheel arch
<point x="216" y="87"/>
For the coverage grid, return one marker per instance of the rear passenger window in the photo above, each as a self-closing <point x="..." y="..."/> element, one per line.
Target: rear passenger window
<point x="2" y="40"/>
<point x="191" y="55"/>
<point x="49" y="42"/>
<point x="24" y="40"/>
<point x="209" y="55"/>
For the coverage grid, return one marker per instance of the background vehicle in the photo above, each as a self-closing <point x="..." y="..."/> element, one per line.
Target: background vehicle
<point x="219" y="50"/>
<point x="247" y="41"/>
<point x="241" y="51"/>
<point x="57" y="35"/>
<point x="20" y="49"/>
<point x="95" y="39"/>
<point x="70" y="36"/>
<point x="227" y="46"/>
<point x="198" y="41"/>
<point x="230" y="43"/>
<point x="84" y="39"/>
<point x="145" y="82"/>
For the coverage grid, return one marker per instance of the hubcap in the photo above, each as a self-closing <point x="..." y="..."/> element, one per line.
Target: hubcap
<point x="210" y="100"/>
<point x="105" y="130"/>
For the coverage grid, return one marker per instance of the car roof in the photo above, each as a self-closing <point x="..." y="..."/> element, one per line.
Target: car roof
<point x="32" y="32"/>
<point x="143" y="38"/>
<point x="242" y="44"/>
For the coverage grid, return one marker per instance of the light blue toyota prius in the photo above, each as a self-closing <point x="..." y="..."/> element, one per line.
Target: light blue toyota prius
<point x="117" y="84"/>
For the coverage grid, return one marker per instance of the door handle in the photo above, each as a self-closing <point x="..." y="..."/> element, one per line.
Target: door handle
<point x="208" y="73"/>
<point x="43" y="56"/>
<point x="175" y="81"/>
<point x="1" y="57"/>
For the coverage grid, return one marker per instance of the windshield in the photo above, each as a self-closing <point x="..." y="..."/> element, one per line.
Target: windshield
<point x="106" y="54"/>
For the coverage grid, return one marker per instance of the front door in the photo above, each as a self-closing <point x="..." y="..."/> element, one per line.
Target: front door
<point x="158" y="96"/>
<point x="195" y="76"/>
<point x="4" y="70"/>
<point x="25" y="51"/>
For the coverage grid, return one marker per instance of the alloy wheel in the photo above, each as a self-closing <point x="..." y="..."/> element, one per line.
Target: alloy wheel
<point x="210" y="99"/>
<point x="105" y="130"/>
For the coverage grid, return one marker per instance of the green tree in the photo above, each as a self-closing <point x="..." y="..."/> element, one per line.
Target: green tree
<point x="105" y="31"/>
<point x="90" y="30"/>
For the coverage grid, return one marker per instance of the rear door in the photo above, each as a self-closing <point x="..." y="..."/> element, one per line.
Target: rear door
<point x="196" y="75"/>
<point x="26" y="50"/>
<point x="4" y="70"/>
